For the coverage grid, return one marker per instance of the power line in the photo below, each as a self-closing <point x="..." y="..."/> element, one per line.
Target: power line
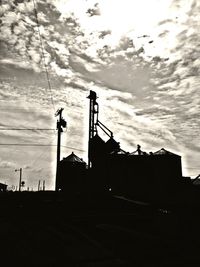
<point x="23" y="110"/>
<point x="25" y="129"/>
<point x="44" y="150"/>
<point x="70" y="147"/>
<point x="40" y="145"/>
<point x="16" y="144"/>
<point x="43" y="55"/>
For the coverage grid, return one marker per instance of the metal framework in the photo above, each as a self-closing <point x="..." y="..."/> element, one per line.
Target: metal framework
<point x="93" y="117"/>
<point x="94" y="123"/>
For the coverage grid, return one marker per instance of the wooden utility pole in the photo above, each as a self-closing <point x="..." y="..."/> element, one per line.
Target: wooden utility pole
<point x="20" y="177"/>
<point x="43" y="185"/>
<point x="39" y="185"/>
<point x="61" y="123"/>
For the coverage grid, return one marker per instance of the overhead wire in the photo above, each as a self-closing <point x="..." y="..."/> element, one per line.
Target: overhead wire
<point x="43" y="56"/>
<point x="38" y="157"/>
<point x="25" y="129"/>
<point x="39" y="145"/>
<point x="24" y="144"/>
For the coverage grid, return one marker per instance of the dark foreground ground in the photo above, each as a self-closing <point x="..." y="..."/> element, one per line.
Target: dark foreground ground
<point x="47" y="229"/>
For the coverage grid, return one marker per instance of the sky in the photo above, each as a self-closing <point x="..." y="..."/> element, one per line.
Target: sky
<point x="141" y="57"/>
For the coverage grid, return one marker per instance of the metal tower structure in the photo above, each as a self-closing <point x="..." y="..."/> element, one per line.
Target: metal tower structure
<point x="93" y="118"/>
<point x="94" y="123"/>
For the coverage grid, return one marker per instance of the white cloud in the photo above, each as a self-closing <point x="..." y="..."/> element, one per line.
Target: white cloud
<point x="6" y="164"/>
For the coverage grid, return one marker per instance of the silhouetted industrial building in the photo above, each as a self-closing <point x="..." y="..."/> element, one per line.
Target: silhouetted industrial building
<point x="154" y="175"/>
<point x="150" y="176"/>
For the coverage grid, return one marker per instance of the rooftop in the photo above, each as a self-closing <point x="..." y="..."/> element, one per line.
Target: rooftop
<point x="73" y="158"/>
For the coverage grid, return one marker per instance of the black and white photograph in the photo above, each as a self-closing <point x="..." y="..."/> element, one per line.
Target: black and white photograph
<point x="99" y="133"/>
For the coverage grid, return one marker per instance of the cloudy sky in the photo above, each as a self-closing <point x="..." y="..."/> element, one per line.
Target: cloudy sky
<point x="141" y="57"/>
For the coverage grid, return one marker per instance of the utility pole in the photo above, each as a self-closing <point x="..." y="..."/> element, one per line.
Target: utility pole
<point x="43" y="185"/>
<point x="20" y="177"/>
<point x="39" y="185"/>
<point x="61" y="123"/>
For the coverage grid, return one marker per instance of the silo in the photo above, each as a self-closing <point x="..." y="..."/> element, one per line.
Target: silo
<point x="71" y="174"/>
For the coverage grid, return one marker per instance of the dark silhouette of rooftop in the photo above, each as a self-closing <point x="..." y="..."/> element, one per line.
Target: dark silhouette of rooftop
<point x="73" y="158"/>
<point x="163" y="151"/>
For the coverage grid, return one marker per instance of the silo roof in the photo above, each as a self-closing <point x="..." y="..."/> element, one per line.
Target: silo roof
<point x="73" y="158"/>
<point x="163" y="151"/>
